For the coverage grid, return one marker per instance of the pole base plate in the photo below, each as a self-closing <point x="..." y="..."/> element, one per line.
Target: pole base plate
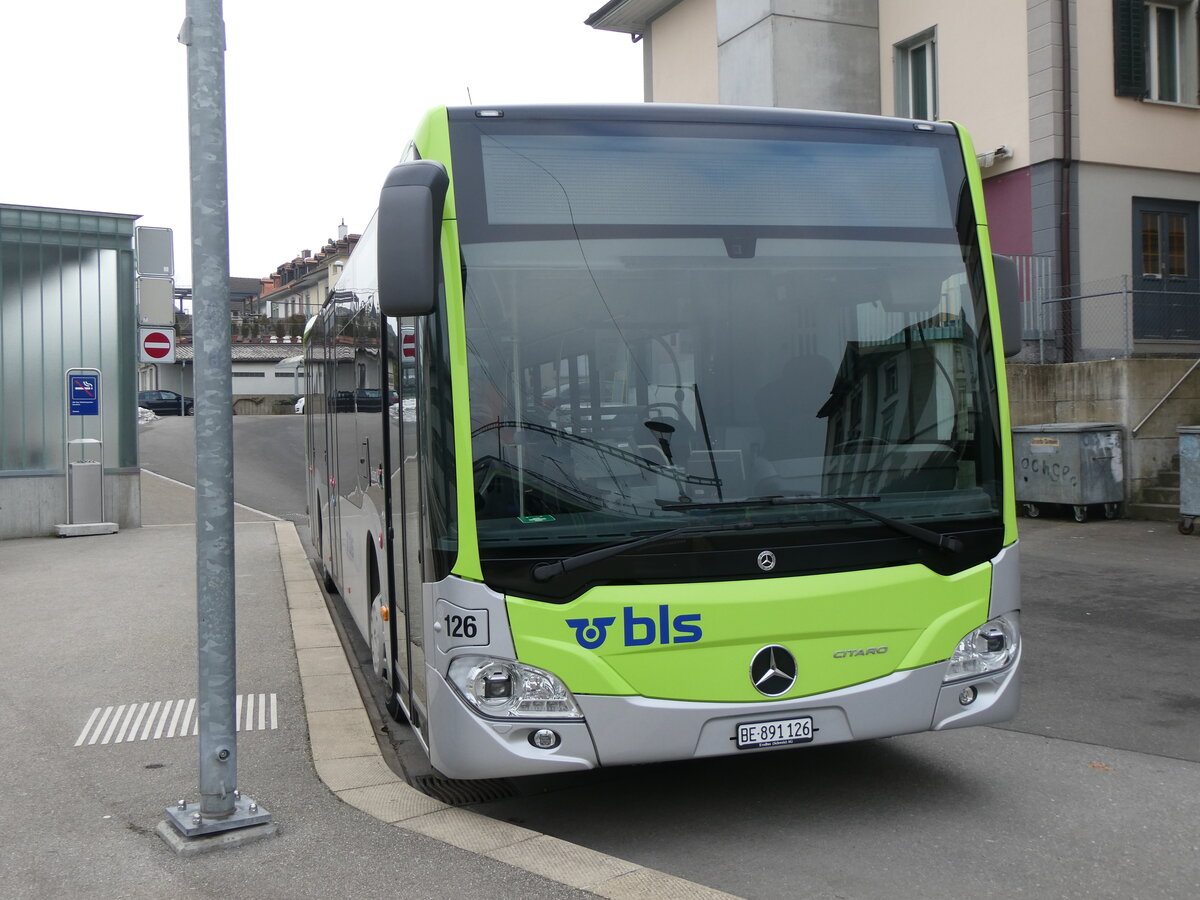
<point x="190" y="823"/>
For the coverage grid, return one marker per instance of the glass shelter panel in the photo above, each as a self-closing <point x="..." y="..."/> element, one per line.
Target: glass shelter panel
<point x="66" y="301"/>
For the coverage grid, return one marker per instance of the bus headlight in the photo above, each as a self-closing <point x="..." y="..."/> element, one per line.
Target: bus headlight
<point x="988" y="648"/>
<point x="506" y="689"/>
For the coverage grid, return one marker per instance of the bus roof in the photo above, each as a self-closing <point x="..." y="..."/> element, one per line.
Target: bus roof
<point x="685" y="112"/>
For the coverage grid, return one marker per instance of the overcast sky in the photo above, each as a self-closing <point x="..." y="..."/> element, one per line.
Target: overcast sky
<point x="321" y="100"/>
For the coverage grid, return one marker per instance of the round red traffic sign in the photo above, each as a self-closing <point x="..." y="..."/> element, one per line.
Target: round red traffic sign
<point x="156" y="344"/>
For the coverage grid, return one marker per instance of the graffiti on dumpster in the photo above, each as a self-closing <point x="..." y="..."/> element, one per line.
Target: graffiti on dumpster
<point x="1060" y="473"/>
<point x="1100" y="458"/>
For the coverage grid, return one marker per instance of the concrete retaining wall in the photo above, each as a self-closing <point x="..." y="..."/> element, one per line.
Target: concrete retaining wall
<point x="263" y="405"/>
<point x="32" y="506"/>
<point x="1114" y="390"/>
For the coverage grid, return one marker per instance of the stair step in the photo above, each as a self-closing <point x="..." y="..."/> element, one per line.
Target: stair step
<point x="1160" y="495"/>
<point x="1157" y="512"/>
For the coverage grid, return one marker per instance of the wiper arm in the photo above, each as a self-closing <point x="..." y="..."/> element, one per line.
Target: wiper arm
<point x="941" y="541"/>
<point x="547" y="570"/>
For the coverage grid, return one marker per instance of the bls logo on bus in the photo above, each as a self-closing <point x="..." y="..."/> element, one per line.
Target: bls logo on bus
<point x="639" y="631"/>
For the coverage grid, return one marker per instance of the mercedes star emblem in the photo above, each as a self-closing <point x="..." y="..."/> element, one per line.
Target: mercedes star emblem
<point x="773" y="670"/>
<point x="766" y="560"/>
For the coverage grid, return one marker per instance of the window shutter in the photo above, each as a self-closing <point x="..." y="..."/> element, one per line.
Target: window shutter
<point x="1129" y="53"/>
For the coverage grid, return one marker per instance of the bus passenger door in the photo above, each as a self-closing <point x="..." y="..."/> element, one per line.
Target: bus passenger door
<point x="405" y="507"/>
<point x="331" y="526"/>
<point x="340" y="432"/>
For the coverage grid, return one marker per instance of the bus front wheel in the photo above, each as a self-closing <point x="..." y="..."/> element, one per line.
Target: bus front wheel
<point x="378" y="638"/>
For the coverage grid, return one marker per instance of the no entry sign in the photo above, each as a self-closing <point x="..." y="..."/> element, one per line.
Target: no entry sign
<point x="156" y="345"/>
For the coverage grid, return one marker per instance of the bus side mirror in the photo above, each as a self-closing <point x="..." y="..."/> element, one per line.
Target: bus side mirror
<point x="410" y="228"/>
<point x="1008" y="293"/>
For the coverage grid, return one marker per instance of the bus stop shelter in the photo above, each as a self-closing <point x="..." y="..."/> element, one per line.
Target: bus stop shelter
<point x="67" y="302"/>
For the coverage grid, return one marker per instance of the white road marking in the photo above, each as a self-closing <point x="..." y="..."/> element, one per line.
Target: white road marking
<point x="125" y="725"/>
<point x="137" y="722"/>
<point x="121" y="724"/>
<point x="100" y="724"/>
<point x="112" y="725"/>
<point x="150" y="718"/>
<point x="192" y="487"/>
<point x="162" y="720"/>
<point x="88" y="727"/>
<point x="187" y="717"/>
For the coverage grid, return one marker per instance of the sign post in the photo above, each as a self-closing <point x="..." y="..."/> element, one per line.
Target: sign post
<point x="222" y="808"/>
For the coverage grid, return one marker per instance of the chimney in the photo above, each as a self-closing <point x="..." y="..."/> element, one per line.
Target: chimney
<point x="342" y="230"/>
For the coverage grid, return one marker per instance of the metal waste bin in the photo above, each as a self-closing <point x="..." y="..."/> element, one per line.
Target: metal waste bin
<point x="85" y="492"/>
<point x="1072" y="464"/>
<point x="1189" y="477"/>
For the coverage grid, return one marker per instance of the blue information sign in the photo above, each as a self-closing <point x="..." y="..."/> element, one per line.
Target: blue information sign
<point x="84" y="394"/>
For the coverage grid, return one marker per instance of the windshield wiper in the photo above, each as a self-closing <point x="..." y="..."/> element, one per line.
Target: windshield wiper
<point x="547" y="570"/>
<point x="941" y="541"/>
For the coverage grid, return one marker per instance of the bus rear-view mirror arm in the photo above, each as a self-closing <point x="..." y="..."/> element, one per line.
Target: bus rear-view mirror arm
<point x="410" y="227"/>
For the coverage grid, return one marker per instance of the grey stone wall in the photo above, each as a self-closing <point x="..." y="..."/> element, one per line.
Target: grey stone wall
<point x="1116" y="390"/>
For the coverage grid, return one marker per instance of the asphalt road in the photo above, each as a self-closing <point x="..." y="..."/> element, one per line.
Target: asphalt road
<point x="1092" y="791"/>
<point x="268" y="459"/>
<point x="1111" y="624"/>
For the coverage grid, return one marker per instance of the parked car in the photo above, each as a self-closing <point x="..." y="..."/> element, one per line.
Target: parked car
<point x="166" y="403"/>
<point x="299" y="406"/>
<point x="361" y="400"/>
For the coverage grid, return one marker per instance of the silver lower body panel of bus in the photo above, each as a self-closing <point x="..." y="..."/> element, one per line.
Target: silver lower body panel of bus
<point x="619" y="730"/>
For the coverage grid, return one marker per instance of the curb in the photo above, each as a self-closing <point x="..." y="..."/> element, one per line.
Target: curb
<point x="348" y="760"/>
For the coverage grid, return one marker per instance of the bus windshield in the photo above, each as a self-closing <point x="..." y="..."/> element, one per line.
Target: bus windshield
<point x="664" y="324"/>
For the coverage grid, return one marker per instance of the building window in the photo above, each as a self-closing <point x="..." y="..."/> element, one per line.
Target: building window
<point x="1162" y="51"/>
<point x="1164" y="245"/>
<point x="1155" y="50"/>
<point x="916" y="76"/>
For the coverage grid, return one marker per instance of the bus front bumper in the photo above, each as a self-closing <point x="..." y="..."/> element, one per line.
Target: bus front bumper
<point x="626" y="730"/>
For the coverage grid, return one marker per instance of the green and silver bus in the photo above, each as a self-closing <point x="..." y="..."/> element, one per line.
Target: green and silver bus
<point x="697" y="441"/>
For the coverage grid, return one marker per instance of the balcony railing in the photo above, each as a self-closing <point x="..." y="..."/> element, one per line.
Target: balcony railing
<point x="248" y="330"/>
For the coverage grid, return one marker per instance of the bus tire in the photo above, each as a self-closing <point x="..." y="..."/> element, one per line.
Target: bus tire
<point x="326" y="577"/>
<point x="395" y="710"/>
<point x="377" y="634"/>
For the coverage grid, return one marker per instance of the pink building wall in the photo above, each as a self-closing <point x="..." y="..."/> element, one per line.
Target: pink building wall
<point x="1010" y="212"/>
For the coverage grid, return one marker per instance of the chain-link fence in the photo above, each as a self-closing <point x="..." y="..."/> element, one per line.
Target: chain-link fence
<point x="1113" y="318"/>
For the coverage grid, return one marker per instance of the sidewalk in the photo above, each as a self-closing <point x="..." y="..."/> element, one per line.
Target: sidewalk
<point x="98" y="663"/>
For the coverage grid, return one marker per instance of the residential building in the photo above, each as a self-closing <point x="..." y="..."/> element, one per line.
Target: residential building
<point x="1085" y="119"/>
<point x="243" y="295"/>
<point x="268" y="319"/>
<point x="805" y="54"/>
<point x="299" y="287"/>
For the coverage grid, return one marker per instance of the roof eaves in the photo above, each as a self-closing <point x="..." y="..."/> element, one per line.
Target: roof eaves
<point x="628" y="16"/>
